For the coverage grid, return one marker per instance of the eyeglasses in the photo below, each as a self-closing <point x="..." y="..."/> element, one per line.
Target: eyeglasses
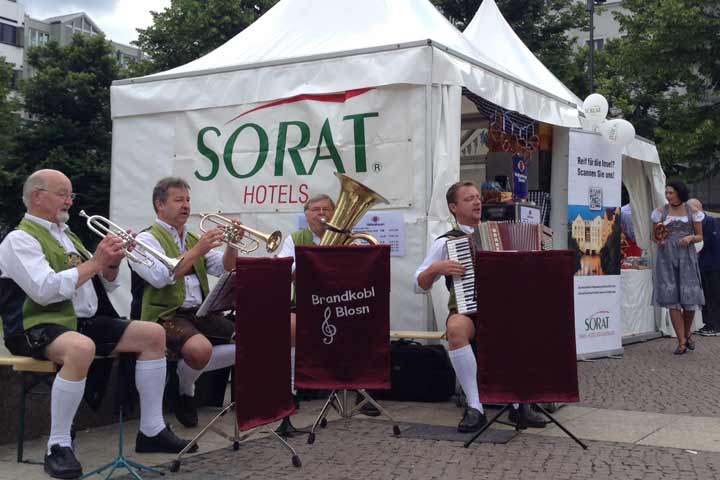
<point x="63" y="195"/>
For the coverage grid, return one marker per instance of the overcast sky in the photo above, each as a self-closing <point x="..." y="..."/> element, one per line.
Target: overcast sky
<point x="117" y="18"/>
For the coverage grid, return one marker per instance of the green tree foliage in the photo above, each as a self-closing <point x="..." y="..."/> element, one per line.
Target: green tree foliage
<point x="9" y="126"/>
<point x="68" y="102"/>
<point x="541" y="24"/>
<point x="188" y="29"/>
<point x="663" y="74"/>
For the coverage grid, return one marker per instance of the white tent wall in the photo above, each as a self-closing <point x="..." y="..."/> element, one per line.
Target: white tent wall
<point x="339" y="45"/>
<point x="144" y="151"/>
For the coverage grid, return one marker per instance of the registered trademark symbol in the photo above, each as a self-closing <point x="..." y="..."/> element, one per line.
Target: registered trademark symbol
<point x="377" y="167"/>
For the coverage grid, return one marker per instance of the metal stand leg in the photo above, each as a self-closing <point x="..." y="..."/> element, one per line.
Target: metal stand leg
<point x="236" y="438"/>
<point x="487" y="425"/>
<point x="121" y="461"/>
<point x="175" y="465"/>
<point x="345" y="410"/>
<point x="560" y="426"/>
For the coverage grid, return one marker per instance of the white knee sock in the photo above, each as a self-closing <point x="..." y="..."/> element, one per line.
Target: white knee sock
<point x="292" y="370"/>
<point x="222" y="356"/>
<point x="65" y="398"/>
<point x="465" y="366"/>
<point x="150" y="383"/>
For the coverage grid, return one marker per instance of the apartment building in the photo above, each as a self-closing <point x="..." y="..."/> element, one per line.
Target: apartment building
<point x="19" y="32"/>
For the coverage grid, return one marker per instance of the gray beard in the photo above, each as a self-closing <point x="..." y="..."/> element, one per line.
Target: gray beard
<point x="63" y="217"/>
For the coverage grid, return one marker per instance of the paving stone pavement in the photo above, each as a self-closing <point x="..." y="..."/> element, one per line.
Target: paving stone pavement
<point x="355" y="449"/>
<point x="630" y="410"/>
<point x="649" y="378"/>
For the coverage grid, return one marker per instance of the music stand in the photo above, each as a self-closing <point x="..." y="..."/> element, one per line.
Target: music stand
<point x="541" y="367"/>
<point x="327" y="356"/>
<point x="223" y="298"/>
<point x="342" y="406"/>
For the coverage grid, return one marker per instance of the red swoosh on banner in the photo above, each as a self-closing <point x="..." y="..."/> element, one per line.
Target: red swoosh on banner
<point x="330" y="97"/>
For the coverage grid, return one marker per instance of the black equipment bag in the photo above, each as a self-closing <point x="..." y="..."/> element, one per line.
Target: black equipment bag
<point x="420" y="373"/>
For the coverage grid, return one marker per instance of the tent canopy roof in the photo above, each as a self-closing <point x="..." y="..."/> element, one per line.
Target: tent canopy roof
<point x="319" y="46"/>
<point x="495" y="38"/>
<point x="294" y="29"/>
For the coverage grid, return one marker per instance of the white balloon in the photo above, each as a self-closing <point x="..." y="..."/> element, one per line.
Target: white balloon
<point x="618" y="131"/>
<point x="595" y="107"/>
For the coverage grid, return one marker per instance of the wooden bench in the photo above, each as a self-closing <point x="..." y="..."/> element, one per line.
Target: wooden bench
<point x="34" y="372"/>
<point x="417" y="335"/>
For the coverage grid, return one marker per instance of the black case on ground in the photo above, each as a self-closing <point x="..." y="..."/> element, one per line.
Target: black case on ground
<point x="420" y="373"/>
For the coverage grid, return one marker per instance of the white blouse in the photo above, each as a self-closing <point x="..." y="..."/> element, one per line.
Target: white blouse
<point x="656" y="216"/>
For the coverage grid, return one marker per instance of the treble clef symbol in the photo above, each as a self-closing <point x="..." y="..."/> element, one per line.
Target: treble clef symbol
<point x="328" y="329"/>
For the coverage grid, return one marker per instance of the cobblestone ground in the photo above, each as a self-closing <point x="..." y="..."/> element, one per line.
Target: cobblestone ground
<point x="649" y="378"/>
<point x="351" y="450"/>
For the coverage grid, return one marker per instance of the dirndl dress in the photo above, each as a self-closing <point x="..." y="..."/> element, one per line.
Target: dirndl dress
<point x="676" y="274"/>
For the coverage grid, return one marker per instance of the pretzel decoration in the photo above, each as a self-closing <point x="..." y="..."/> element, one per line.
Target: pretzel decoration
<point x="660" y="232"/>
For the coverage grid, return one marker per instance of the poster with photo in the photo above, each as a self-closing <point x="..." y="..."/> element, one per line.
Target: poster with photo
<point x="594" y="186"/>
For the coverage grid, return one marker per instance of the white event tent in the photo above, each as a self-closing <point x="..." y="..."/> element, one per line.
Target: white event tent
<point x="642" y="174"/>
<point x="413" y="61"/>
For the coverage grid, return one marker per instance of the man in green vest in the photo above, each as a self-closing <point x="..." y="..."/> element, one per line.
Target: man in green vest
<point x="54" y="306"/>
<point x="318" y="210"/>
<point x="173" y="298"/>
<point x="464" y="202"/>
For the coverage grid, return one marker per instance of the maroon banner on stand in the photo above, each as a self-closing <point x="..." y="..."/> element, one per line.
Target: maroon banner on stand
<point x="343" y="317"/>
<point x="526" y="327"/>
<point x="262" y="339"/>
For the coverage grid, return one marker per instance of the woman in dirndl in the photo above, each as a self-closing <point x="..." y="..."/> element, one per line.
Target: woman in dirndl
<point x="676" y="274"/>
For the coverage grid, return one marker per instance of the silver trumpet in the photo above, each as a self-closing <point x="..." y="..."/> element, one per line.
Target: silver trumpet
<point x="232" y="232"/>
<point x="142" y="253"/>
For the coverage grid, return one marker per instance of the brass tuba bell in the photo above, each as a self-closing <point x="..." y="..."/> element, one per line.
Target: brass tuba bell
<point x="355" y="199"/>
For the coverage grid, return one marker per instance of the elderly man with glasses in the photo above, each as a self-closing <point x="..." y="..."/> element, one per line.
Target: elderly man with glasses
<point x="54" y="306"/>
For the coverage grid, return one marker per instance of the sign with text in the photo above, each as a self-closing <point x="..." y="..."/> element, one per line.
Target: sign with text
<point x="273" y="156"/>
<point x="594" y="185"/>
<point x="343" y="317"/>
<point x="387" y="227"/>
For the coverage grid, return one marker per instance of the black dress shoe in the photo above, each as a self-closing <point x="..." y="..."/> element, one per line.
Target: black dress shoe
<point x="164" y="442"/>
<point x="526" y="417"/>
<point x="472" y="421"/>
<point x="186" y="411"/>
<point x="61" y="463"/>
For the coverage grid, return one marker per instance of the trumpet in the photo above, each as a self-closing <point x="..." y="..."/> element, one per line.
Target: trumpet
<point x="233" y="230"/>
<point x="142" y="253"/>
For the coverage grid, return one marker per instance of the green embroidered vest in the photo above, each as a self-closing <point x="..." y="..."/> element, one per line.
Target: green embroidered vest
<point x="163" y="302"/>
<point x="61" y="313"/>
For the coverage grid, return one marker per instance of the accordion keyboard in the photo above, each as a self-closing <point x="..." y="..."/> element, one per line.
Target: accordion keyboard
<point x="464" y="287"/>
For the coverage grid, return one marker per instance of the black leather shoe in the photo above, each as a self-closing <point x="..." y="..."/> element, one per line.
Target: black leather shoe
<point x="164" y="442"/>
<point x="472" y="421"/>
<point x="186" y="411"/>
<point x="61" y="463"/>
<point x="526" y="417"/>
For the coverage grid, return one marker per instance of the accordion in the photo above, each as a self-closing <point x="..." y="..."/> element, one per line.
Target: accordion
<point x="495" y="237"/>
<point x="499" y="236"/>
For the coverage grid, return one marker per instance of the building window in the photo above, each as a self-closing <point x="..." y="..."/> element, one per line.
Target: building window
<point x="599" y="43"/>
<point x="8" y="34"/>
<point x="38" y="38"/>
<point x="16" y="76"/>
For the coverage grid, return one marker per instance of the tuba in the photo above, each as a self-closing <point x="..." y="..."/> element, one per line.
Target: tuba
<point x="355" y="199"/>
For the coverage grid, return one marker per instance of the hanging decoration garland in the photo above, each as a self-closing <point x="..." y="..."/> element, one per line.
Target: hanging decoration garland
<point x="508" y="131"/>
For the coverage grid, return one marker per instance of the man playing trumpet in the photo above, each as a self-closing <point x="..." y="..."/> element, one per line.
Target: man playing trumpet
<point x="54" y="306"/>
<point x="172" y="298"/>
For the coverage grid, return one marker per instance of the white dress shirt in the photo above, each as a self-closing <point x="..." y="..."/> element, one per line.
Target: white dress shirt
<point x="23" y="261"/>
<point x="288" y="247"/>
<point x="436" y="253"/>
<point x="160" y="277"/>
